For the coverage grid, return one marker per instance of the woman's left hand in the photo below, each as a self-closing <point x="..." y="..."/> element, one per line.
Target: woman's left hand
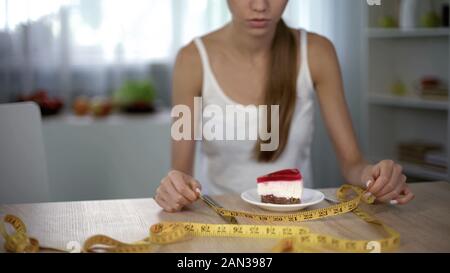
<point x="388" y="183"/>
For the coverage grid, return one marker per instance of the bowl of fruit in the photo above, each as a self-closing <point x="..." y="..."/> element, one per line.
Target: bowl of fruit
<point x="135" y="97"/>
<point x="49" y="105"/>
<point x="96" y="106"/>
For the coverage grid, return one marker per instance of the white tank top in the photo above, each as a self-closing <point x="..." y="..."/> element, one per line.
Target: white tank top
<point x="228" y="166"/>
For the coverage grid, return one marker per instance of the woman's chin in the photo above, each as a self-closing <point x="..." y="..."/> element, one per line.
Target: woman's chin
<point x="258" y="31"/>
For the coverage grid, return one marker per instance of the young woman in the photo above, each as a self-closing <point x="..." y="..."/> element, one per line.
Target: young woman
<point x="256" y="59"/>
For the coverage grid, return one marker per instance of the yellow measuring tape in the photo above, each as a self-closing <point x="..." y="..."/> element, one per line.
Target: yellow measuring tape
<point x="293" y="238"/>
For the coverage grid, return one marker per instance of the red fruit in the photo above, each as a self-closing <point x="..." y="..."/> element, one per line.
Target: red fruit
<point x="81" y="106"/>
<point x="430" y="82"/>
<point x="39" y="95"/>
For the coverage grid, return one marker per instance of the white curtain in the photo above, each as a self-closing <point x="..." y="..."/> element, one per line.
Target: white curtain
<point x="73" y="47"/>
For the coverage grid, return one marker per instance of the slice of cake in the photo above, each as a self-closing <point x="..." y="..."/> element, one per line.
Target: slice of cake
<point x="284" y="187"/>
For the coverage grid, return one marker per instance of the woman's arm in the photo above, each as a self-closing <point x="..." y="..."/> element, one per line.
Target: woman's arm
<point x="187" y="84"/>
<point x="384" y="180"/>
<point x="179" y="188"/>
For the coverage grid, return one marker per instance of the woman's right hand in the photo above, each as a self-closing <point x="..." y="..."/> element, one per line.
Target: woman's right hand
<point x="176" y="191"/>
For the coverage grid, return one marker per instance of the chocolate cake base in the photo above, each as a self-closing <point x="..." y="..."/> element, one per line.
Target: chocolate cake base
<point x="271" y="199"/>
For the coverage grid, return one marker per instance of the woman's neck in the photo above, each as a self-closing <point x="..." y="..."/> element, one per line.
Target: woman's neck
<point x="248" y="45"/>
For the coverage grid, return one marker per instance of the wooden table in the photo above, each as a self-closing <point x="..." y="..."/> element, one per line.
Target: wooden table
<point x="424" y="224"/>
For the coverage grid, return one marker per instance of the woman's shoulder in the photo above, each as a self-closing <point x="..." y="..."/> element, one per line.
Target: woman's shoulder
<point x="319" y="44"/>
<point x="190" y="53"/>
<point x="188" y="71"/>
<point x="321" y="54"/>
<point x="316" y="42"/>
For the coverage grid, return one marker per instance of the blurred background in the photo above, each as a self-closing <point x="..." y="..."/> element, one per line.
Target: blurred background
<point x="100" y="71"/>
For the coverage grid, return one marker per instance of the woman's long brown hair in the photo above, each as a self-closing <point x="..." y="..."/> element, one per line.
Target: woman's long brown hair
<point x="281" y="88"/>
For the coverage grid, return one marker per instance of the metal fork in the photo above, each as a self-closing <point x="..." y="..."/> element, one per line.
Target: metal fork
<point x="211" y="203"/>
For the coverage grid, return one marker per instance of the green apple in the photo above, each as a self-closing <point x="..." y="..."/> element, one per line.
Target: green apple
<point x="430" y="19"/>
<point x="100" y="107"/>
<point x="399" y="89"/>
<point x="387" y="22"/>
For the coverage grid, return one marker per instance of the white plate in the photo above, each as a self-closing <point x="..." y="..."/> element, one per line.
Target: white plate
<point x="310" y="197"/>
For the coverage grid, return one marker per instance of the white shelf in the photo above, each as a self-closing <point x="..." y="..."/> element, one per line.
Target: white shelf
<point x="407" y="33"/>
<point x="389" y="54"/>
<point x="408" y="102"/>
<point x="411" y="169"/>
<point x="162" y="116"/>
<point x="423" y="172"/>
